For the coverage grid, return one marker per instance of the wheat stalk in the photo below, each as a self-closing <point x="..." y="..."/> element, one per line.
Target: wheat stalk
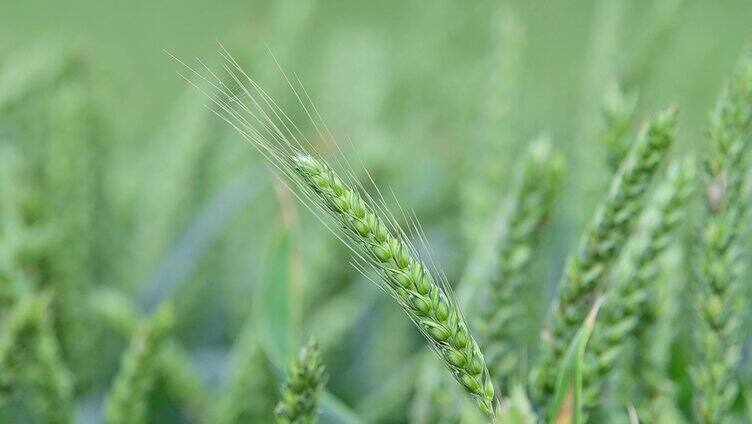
<point x="301" y="391"/>
<point x="719" y="256"/>
<point x="586" y="270"/>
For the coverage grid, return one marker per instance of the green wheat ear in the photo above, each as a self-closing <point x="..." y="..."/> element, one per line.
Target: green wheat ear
<point x="376" y="242"/>
<point x="719" y="258"/>
<point x="301" y="391"/>
<point x="173" y="371"/>
<point x="30" y="357"/>
<point x="406" y="278"/>
<point x="127" y="401"/>
<point x="628" y="298"/>
<point x="587" y="269"/>
<point x="503" y="316"/>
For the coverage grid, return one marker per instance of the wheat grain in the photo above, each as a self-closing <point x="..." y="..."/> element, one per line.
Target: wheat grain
<point x="14" y="231"/>
<point x="72" y="187"/>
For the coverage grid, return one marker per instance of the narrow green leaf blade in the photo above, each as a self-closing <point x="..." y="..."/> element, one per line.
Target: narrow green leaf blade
<point x="567" y="405"/>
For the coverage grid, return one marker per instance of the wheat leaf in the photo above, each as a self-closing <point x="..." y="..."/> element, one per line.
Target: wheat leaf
<point x="567" y="404"/>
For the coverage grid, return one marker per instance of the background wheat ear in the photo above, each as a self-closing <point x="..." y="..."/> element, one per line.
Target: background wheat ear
<point x="128" y="399"/>
<point x="300" y="393"/>
<point x="30" y="358"/>
<point x="629" y="296"/>
<point x="502" y="318"/>
<point x="719" y="256"/>
<point x="587" y="268"/>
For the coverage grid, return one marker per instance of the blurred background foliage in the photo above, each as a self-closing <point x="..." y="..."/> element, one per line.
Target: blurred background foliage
<point x="122" y="192"/>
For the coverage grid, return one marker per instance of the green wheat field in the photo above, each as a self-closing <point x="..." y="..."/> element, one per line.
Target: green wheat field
<point x="318" y="211"/>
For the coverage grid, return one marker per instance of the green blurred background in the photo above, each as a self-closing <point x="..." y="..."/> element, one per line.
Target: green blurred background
<point x="439" y="99"/>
